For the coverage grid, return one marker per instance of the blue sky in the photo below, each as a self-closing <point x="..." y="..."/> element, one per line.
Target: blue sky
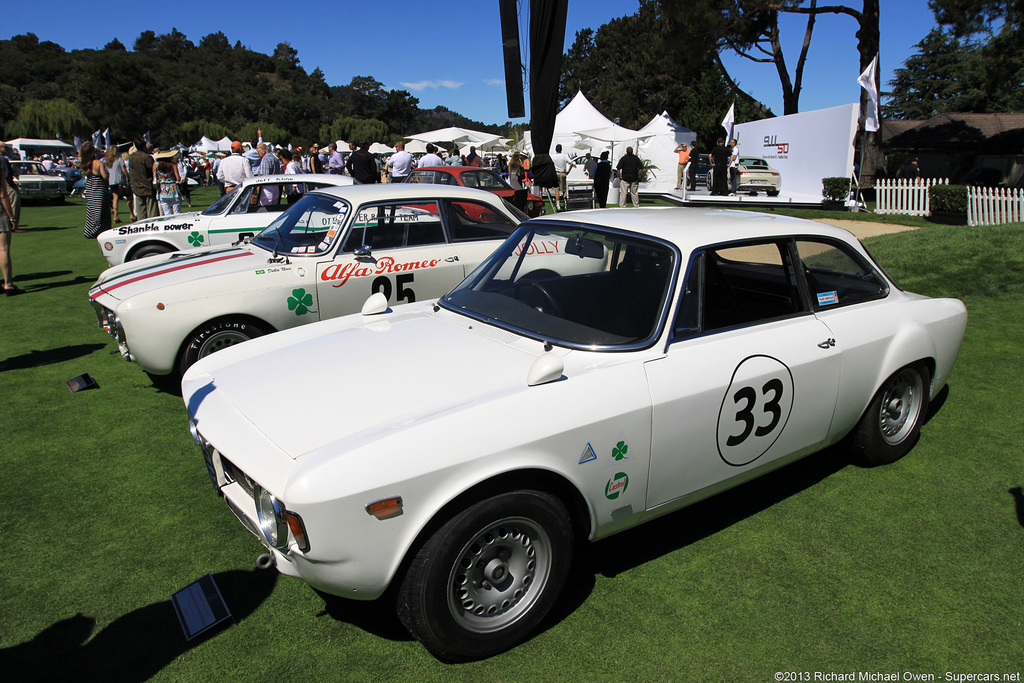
<point x="449" y="52"/>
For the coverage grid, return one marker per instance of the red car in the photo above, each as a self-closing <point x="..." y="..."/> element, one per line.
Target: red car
<point x="471" y="176"/>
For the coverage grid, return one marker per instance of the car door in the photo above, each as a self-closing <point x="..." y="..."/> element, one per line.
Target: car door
<point x="749" y="380"/>
<point x="398" y="248"/>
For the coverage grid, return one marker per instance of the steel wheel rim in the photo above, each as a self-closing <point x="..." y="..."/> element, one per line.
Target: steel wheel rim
<point x="499" y="575"/>
<point x="221" y="341"/>
<point x="901" y="406"/>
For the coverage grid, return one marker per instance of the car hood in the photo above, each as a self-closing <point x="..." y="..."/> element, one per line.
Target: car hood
<point x="342" y="382"/>
<point x="170" y="270"/>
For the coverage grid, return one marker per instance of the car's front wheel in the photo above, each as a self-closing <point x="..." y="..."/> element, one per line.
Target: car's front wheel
<point x="486" y="578"/>
<point x="891" y="424"/>
<point x="150" y="250"/>
<point x="215" y="336"/>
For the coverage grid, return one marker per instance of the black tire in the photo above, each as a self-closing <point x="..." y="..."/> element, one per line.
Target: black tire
<point x="215" y="336"/>
<point x="483" y="582"/>
<point x="150" y="250"/>
<point x="892" y="423"/>
<point x="772" y="193"/>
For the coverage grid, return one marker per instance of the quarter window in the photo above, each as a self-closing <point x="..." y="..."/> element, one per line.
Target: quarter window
<point x="473" y="221"/>
<point x="836" y="275"/>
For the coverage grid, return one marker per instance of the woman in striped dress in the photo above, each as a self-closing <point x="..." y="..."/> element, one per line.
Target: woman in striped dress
<point x="97" y="191"/>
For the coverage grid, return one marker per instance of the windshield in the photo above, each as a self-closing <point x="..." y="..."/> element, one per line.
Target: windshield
<point x="221" y="205"/>
<point x="578" y="286"/>
<point x="310" y="226"/>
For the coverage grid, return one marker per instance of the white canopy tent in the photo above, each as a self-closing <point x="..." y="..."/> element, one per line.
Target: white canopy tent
<point x="416" y="147"/>
<point x="205" y="144"/>
<point x="665" y="134"/>
<point x="35" y="147"/>
<point x="455" y="135"/>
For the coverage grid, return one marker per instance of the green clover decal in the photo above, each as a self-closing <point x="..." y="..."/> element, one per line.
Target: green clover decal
<point x="619" y="452"/>
<point x="300" y="302"/>
<point x="195" y="239"/>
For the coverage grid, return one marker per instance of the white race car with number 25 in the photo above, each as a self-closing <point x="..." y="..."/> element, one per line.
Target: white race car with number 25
<point x="321" y="259"/>
<point x="456" y="450"/>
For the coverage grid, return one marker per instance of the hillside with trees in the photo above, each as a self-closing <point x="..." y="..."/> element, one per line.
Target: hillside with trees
<point x="178" y="91"/>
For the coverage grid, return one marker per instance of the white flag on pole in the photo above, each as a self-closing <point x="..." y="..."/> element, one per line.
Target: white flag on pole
<point x="867" y="81"/>
<point x="728" y="121"/>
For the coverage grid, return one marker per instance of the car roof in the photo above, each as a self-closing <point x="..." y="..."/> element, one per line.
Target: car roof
<point x="336" y="180"/>
<point x="385" y="191"/>
<point x="690" y="228"/>
<point x="454" y="169"/>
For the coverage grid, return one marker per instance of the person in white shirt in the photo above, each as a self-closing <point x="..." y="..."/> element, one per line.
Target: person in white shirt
<point x="430" y="158"/>
<point x="562" y="168"/>
<point x="234" y="169"/>
<point x="400" y="163"/>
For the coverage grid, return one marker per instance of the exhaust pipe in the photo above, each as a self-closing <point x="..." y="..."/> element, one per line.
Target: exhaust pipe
<point x="265" y="561"/>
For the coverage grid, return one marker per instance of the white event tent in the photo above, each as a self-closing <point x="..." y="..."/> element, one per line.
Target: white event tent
<point x="665" y="135"/>
<point x="205" y="144"/>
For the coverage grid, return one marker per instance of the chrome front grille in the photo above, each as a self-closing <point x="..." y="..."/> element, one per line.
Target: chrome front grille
<point x="233" y="474"/>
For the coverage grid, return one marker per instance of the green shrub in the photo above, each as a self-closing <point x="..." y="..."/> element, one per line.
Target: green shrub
<point x="951" y="198"/>
<point x="835" y="189"/>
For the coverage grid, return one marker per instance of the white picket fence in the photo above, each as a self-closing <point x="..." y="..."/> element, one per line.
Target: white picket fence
<point x="985" y="205"/>
<point x="904" y="196"/>
<point x="994" y="205"/>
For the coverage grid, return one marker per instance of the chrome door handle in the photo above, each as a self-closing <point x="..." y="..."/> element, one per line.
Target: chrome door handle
<point x="827" y="344"/>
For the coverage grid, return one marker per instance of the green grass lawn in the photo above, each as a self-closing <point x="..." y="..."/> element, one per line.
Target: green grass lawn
<point x="819" y="567"/>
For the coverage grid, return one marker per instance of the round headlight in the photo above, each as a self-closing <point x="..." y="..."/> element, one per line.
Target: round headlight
<point x="270" y="513"/>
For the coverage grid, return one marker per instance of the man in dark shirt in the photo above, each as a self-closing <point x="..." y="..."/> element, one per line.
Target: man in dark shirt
<point x="629" y="168"/>
<point x="720" y="157"/>
<point x="140" y="175"/>
<point x="363" y="166"/>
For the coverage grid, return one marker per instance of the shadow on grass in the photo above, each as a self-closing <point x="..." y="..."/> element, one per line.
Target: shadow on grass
<point x="30" y="230"/>
<point x="79" y="280"/>
<point x="629" y="549"/>
<point x="133" y="647"/>
<point x="42" y="276"/>
<point x="35" y="359"/>
<point x="377" y="617"/>
<point x="1018" y="500"/>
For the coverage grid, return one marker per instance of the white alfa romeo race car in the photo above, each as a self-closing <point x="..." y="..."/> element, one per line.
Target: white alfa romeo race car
<point x="320" y="259"/>
<point x="235" y="216"/>
<point x="456" y="450"/>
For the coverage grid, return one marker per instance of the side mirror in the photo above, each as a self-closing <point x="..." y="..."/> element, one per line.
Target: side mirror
<point x="375" y="304"/>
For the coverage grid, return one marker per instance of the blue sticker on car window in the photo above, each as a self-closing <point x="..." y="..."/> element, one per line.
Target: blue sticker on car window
<point x="826" y="298"/>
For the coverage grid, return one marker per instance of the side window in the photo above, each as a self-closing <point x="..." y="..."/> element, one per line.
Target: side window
<point x="837" y="275"/>
<point x="737" y="285"/>
<point x="473" y="221"/>
<point x="470" y="179"/>
<point x="395" y="225"/>
<point x="246" y="202"/>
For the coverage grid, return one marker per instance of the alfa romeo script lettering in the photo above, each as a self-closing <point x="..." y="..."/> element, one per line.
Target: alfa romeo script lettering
<point x="384" y="265"/>
<point x="755" y="409"/>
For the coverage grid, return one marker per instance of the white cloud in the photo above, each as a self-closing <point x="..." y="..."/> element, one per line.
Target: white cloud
<point x="496" y="82"/>
<point x="423" y="85"/>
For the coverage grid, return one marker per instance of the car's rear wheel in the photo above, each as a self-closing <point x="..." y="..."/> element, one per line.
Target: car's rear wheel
<point x="892" y="423"/>
<point x="150" y="250"/>
<point x="215" y="336"/>
<point x="772" y="193"/>
<point x="486" y="578"/>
